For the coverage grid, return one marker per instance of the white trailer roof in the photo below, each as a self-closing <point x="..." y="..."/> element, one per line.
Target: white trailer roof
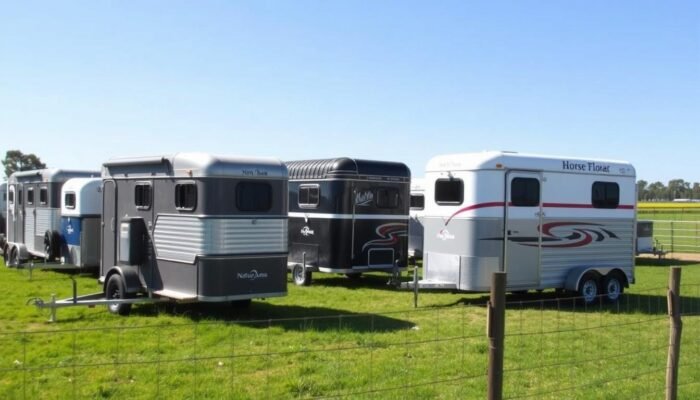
<point x="501" y="160"/>
<point x="195" y="165"/>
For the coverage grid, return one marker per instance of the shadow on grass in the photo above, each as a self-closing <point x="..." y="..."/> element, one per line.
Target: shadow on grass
<point x="376" y="281"/>
<point x="629" y="303"/>
<point x="663" y="262"/>
<point x="260" y="314"/>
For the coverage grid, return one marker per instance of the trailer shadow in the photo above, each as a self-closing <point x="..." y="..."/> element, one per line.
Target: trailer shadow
<point x="288" y="317"/>
<point x="629" y="303"/>
<point x="663" y="262"/>
<point x="366" y="281"/>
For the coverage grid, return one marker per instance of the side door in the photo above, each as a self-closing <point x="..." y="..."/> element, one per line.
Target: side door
<point x="522" y="236"/>
<point x="109" y="226"/>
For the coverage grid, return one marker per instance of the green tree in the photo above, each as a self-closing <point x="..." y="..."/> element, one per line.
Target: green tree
<point x="657" y="191"/>
<point x="642" y="192"/>
<point x="15" y="161"/>
<point x="678" y="189"/>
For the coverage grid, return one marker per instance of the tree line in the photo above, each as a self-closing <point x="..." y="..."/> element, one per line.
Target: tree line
<point x="676" y="189"/>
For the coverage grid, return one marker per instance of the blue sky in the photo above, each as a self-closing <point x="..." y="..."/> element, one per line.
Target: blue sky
<point x="81" y="82"/>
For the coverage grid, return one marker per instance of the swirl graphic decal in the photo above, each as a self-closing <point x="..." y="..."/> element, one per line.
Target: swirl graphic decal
<point x="564" y="235"/>
<point x="389" y="235"/>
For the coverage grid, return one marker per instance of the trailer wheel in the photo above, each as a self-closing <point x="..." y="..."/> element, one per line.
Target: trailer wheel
<point x="50" y="245"/>
<point x="612" y="287"/>
<point x="116" y="289"/>
<point x="5" y="254"/>
<point x="14" y="257"/>
<point x="300" y="278"/>
<point x="588" y="288"/>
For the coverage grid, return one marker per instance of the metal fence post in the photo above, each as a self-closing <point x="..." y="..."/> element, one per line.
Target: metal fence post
<point x="496" y="332"/>
<point x="675" y="328"/>
<point x="672" y="237"/>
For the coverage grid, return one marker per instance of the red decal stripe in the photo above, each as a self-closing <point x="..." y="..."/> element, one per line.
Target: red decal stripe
<point x="474" y="207"/>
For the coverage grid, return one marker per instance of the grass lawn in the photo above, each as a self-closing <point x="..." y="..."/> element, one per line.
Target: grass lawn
<point x="340" y="337"/>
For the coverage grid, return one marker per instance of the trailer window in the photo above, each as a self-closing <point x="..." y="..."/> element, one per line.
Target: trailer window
<point x="449" y="191"/>
<point x="525" y="192"/>
<point x="143" y="195"/>
<point x="30" y="196"/>
<point x="186" y="196"/>
<point x="387" y="198"/>
<point x="253" y="196"/>
<point x="11" y="196"/>
<point x="309" y="196"/>
<point x="417" y="202"/>
<point x="605" y="195"/>
<point x="69" y="200"/>
<point x="43" y="196"/>
<point x="19" y="197"/>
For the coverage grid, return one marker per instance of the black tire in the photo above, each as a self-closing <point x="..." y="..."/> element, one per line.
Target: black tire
<point x="116" y="289"/>
<point x="354" y="275"/>
<point x="299" y="277"/>
<point x="589" y="288"/>
<point x="5" y="254"/>
<point x="612" y="287"/>
<point x="14" y="257"/>
<point x="51" y="245"/>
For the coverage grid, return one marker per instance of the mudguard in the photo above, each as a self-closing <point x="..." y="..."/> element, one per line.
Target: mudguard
<point x="130" y="275"/>
<point x="574" y="276"/>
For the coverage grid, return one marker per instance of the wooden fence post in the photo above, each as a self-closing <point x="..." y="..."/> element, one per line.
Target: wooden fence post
<point x="496" y="332"/>
<point x="675" y="328"/>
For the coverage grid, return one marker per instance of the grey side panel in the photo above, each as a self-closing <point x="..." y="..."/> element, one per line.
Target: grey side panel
<point x="30" y="223"/>
<point x="182" y="237"/>
<point x="464" y="252"/>
<point x="174" y="276"/>
<point x="90" y="243"/>
<point x="108" y="225"/>
<point x="603" y="250"/>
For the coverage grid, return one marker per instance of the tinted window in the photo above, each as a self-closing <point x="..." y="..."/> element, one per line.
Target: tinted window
<point x="387" y="198"/>
<point x="449" y="191"/>
<point x="253" y="196"/>
<point x="525" y="192"/>
<point x="19" y="197"/>
<point x="69" y="200"/>
<point x="143" y="195"/>
<point x="605" y="195"/>
<point x="11" y="196"/>
<point x="30" y="196"/>
<point x="309" y="196"/>
<point x="417" y="202"/>
<point x="186" y="196"/>
<point x="43" y="196"/>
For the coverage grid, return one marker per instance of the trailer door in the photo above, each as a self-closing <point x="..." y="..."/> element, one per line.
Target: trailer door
<point x="109" y="226"/>
<point x="522" y="237"/>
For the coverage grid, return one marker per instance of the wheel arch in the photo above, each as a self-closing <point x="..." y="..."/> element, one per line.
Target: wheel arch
<point x="573" y="278"/>
<point x="129" y="275"/>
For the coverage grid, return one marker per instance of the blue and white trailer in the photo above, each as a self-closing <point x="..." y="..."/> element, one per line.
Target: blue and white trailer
<point x="81" y="209"/>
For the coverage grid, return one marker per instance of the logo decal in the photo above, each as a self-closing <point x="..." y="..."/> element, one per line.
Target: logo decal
<point x="564" y="235"/>
<point x="252" y="275"/>
<point x="389" y="235"/>
<point x="364" y="198"/>
<point x="444" y="234"/>
<point x="306" y="231"/>
<point x="69" y="229"/>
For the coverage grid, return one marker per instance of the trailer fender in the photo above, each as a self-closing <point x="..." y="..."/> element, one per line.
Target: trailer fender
<point x="573" y="278"/>
<point x="22" y="249"/>
<point x="130" y="275"/>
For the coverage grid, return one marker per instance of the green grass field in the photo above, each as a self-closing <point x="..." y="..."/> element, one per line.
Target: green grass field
<point x="341" y="338"/>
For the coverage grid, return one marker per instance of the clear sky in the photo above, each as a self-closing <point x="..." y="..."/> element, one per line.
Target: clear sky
<point x="84" y="81"/>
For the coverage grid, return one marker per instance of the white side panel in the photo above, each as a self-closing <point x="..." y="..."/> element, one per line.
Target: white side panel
<point x="182" y="238"/>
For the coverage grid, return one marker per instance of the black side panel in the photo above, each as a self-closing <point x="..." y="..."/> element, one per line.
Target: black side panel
<point x="236" y="276"/>
<point x="109" y="235"/>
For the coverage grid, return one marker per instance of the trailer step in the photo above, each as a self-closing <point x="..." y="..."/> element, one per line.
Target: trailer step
<point x="175" y="295"/>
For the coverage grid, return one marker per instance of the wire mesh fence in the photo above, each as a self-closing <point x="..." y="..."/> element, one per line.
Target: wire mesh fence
<point x="555" y="347"/>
